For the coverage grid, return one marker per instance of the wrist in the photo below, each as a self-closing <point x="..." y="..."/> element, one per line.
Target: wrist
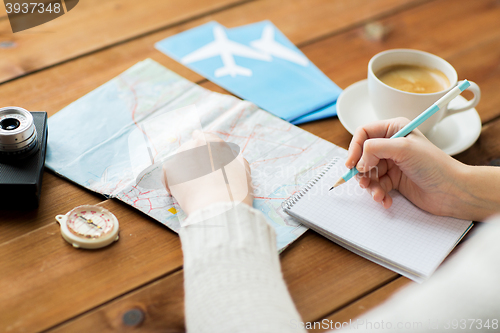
<point x="479" y="187"/>
<point x="192" y="198"/>
<point x="227" y="230"/>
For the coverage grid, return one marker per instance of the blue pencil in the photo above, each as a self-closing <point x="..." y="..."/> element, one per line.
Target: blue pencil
<point x="440" y="103"/>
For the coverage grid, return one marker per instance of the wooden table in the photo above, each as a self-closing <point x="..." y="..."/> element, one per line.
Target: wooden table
<point x="45" y="284"/>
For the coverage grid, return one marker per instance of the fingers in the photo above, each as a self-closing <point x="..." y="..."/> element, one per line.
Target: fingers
<point x="198" y="139"/>
<point x="386" y="183"/>
<point x="174" y="168"/>
<point x="378" y="129"/>
<point x="387" y="201"/>
<point x="355" y="148"/>
<point x="249" y="199"/>
<point x="375" y="150"/>
<point x="247" y="166"/>
<point x="206" y="136"/>
<point x="378" y="182"/>
<point x="373" y="174"/>
<point x="380" y="191"/>
<point x="164" y="178"/>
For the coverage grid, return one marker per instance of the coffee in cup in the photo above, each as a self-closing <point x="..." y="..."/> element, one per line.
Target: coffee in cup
<point x="414" y="79"/>
<point x="404" y="83"/>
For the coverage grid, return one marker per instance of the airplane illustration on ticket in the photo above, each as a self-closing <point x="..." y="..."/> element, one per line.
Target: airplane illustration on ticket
<point x="256" y="62"/>
<point x="265" y="48"/>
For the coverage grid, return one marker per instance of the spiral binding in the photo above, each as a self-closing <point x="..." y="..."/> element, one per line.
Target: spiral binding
<point x="288" y="203"/>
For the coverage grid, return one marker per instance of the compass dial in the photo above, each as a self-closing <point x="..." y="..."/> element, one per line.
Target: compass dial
<point x="89" y="227"/>
<point x="89" y="223"/>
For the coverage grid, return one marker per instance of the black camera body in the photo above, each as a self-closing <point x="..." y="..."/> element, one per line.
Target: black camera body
<point x="22" y="157"/>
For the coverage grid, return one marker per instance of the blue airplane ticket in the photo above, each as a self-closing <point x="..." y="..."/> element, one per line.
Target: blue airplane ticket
<point x="258" y="63"/>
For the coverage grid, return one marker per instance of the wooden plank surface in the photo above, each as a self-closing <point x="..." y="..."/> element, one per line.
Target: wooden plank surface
<point x="45" y="280"/>
<point x="161" y="303"/>
<point x="363" y="305"/>
<point x="485" y="72"/>
<point x="90" y="26"/>
<point x="460" y="31"/>
<point x="58" y="197"/>
<point x="487" y="147"/>
<point x="348" y="64"/>
<point x="56" y="87"/>
<point x="367" y="302"/>
<point x="95" y="24"/>
<point x="322" y="277"/>
<point x="52" y="89"/>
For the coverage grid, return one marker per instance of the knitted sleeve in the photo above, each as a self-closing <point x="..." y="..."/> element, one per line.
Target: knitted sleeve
<point x="232" y="276"/>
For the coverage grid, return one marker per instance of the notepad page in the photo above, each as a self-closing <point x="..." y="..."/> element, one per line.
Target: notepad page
<point x="402" y="234"/>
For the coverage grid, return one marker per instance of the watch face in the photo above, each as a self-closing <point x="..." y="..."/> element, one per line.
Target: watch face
<point x="90" y="222"/>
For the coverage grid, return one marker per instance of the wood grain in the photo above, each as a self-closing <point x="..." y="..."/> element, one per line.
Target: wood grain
<point x="364" y="304"/>
<point x="325" y="286"/>
<point x="90" y="26"/>
<point x="40" y="89"/>
<point x="58" y="197"/>
<point x="312" y="266"/>
<point x="487" y="147"/>
<point x="161" y="302"/>
<point x="485" y="72"/>
<point x="460" y="31"/>
<point x="45" y="280"/>
<point x="56" y="87"/>
<point x="321" y="277"/>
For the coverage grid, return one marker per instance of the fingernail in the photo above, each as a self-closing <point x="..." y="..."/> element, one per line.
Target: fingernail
<point x="361" y="164"/>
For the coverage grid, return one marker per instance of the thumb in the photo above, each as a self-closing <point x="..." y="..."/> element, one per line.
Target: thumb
<point x="164" y="179"/>
<point x="375" y="150"/>
<point x="197" y="134"/>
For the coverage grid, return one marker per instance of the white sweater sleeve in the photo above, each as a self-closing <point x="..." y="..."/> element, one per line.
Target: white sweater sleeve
<point x="463" y="295"/>
<point x="233" y="282"/>
<point x="232" y="276"/>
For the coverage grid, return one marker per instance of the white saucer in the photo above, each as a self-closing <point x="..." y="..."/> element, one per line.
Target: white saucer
<point x="453" y="135"/>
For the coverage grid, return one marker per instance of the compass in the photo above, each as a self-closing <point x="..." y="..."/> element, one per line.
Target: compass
<point x="89" y="227"/>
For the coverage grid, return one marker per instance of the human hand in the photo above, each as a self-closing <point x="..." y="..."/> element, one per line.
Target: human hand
<point x="420" y="171"/>
<point x="198" y="192"/>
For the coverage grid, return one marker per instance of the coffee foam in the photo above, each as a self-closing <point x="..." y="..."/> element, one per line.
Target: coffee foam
<point x="414" y="79"/>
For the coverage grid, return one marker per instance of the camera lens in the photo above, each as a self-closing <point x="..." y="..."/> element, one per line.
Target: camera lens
<point x="9" y="124"/>
<point x="17" y="132"/>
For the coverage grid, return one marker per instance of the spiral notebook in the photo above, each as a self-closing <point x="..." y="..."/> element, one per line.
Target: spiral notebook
<point x="403" y="238"/>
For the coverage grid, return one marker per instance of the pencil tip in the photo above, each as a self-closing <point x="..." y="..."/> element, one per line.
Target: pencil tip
<point x="340" y="182"/>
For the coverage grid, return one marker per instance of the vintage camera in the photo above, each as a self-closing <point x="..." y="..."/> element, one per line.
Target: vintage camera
<point x="23" y="143"/>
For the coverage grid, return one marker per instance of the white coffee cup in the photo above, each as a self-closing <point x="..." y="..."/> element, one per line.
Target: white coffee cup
<point x="389" y="102"/>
